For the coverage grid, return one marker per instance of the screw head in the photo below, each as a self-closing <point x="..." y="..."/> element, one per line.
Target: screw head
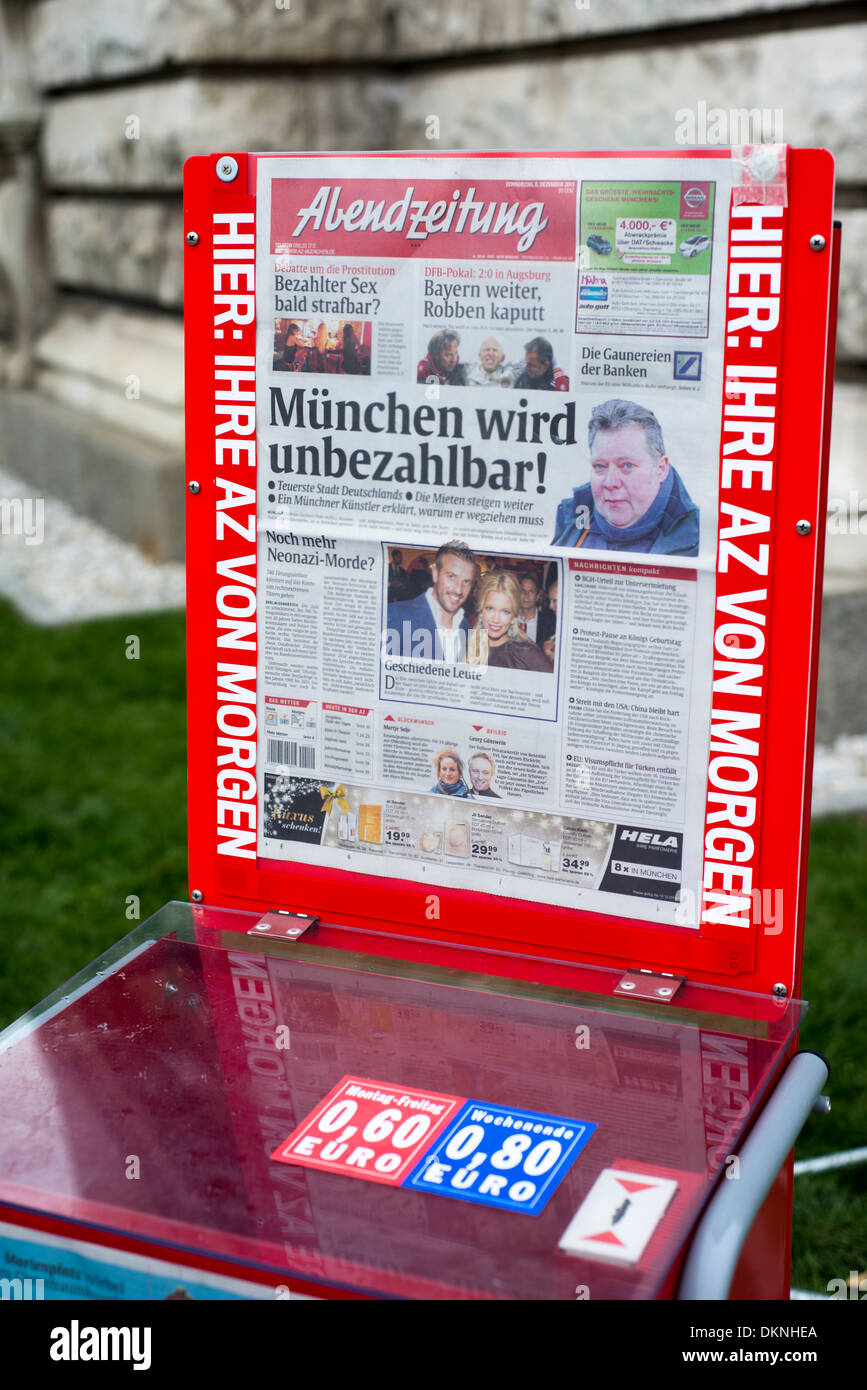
<point x="803" y="528"/>
<point x="197" y="895"/>
<point x="817" y="243"/>
<point x="192" y="238"/>
<point x="194" y="487"/>
<point x="780" y="991"/>
<point x="227" y="168"/>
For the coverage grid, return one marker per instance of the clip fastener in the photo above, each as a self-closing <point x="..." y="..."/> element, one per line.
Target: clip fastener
<point x="286" y="925"/>
<point x="760" y="175"/>
<point x="644" y="984"/>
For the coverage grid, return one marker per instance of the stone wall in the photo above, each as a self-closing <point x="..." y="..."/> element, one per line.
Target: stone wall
<point x="130" y="88"/>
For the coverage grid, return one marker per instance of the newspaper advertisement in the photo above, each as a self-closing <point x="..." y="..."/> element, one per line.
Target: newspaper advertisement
<point x="488" y="425"/>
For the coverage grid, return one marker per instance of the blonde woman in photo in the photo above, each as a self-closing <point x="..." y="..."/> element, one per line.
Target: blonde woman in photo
<point x="497" y="640"/>
<point x="316" y="357"/>
<point x="449" y="768"/>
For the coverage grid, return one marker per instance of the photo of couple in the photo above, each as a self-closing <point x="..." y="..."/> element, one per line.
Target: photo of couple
<point x="482" y="610"/>
<point x="453" y="780"/>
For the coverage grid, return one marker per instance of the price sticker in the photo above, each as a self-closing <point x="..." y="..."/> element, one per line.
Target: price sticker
<point x="485" y="850"/>
<point x="395" y="836"/>
<point x="496" y="1155"/>
<point x="576" y="864"/>
<point x="501" y="1157"/>
<point x="368" y="1129"/>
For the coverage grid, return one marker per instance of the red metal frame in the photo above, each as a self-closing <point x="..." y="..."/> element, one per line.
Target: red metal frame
<point x="755" y="959"/>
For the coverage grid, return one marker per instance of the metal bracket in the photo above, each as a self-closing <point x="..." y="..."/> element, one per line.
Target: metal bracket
<point x="644" y="984"/>
<point x="286" y="925"/>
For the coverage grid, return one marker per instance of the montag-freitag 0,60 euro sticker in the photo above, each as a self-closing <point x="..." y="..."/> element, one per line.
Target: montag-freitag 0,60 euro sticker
<point x="496" y="1155"/>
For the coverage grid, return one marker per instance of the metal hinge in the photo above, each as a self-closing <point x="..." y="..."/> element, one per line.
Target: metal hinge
<point x="286" y="925"/>
<point x="645" y="984"/>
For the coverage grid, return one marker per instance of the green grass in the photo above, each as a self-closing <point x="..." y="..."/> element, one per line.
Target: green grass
<point x="92" y="796"/>
<point x="830" y="1223"/>
<point x="92" y="810"/>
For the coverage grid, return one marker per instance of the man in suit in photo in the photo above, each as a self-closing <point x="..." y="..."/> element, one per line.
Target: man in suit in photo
<point x="398" y="580"/>
<point x="546" y="630"/>
<point x="434" y="624"/>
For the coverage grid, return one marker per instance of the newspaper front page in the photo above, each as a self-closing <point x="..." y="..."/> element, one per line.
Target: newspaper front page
<point x="488" y="403"/>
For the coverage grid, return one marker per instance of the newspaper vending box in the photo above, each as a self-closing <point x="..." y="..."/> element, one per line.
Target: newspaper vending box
<point x="506" y="486"/>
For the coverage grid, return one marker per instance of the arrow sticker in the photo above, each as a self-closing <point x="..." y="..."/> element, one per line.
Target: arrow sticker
<point x="633" y="1203"/>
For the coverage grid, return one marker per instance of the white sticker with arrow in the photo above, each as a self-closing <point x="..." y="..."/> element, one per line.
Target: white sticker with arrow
<point x="618" y="1216"/>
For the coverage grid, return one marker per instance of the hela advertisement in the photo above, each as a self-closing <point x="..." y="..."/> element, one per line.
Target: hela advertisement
<point x="488" y="422"/>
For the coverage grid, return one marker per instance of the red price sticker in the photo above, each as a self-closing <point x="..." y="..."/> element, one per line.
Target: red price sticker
<point x="369" y="1129"/>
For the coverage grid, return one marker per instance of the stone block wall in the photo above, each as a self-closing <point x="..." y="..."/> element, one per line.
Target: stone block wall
<point x="129" y="88"/>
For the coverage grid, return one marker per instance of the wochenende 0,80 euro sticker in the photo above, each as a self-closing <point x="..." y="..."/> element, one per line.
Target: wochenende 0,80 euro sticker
<point x="496" y="1155"/>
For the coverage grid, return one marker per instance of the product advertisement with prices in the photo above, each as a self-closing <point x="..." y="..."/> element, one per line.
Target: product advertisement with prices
<point x="489" y="404"/>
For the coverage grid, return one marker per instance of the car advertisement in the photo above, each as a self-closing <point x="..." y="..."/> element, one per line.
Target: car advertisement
<point x="646" y="257"/>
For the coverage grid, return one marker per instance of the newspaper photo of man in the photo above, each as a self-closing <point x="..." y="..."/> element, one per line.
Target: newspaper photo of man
<point x="398" y="580"/>
<point x="491" y="368"/>
<point x="483" y="770"/>
<point x="442" y="364"/>
<point x="546" y="630"/>
<point x="540" y="373"/>
<point x="434" y="623"/>
<point x="528" y="617"/>
<point x="635" y="500"/>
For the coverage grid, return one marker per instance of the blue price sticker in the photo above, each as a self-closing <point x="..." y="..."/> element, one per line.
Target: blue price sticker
<point x="501" y="1157"/>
